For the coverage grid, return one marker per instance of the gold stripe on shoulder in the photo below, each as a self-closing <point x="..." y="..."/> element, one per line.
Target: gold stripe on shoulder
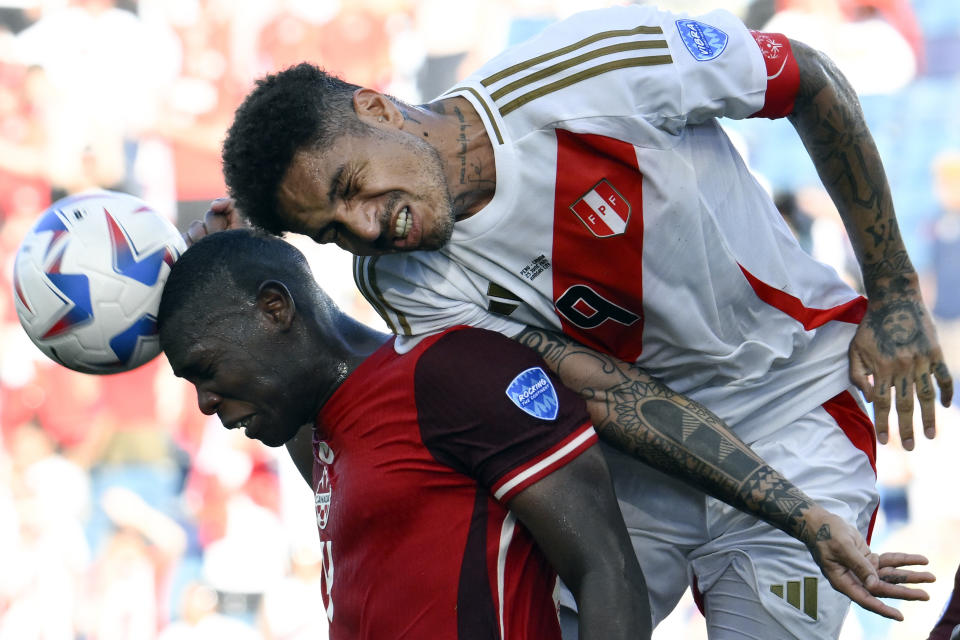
<point x="359" y="268"/>
<point x="487" y="110"/>
<point x="624" y="63"/>
<point x="603" y="35"/>
<point x="632" y="45"/>
<point x="365" y="275"/>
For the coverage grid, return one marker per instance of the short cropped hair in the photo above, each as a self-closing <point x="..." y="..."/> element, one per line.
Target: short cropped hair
<point x="222" y="273"/>
<point x="301" y="107"/>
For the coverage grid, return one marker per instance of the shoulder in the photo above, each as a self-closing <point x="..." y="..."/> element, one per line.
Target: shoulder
<point x="473" y="356"/>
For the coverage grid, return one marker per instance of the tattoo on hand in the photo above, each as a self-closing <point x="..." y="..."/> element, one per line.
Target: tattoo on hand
<point x="899" y="325"/>
<point x="894" y="578"/>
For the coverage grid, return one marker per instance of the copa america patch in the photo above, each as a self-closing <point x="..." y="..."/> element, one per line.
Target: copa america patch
<point x="702" y="41"/>
<point x="533" y="392"/>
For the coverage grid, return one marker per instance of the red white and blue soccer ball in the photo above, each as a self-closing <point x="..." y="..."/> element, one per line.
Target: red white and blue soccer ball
<point x="88" y="277"/>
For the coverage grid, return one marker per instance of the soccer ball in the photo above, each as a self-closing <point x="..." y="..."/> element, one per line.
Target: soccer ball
<point x="87" y="280"/>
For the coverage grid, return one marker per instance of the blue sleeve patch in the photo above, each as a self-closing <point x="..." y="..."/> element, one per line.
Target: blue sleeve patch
<point x="702" y="41"/>
<point x="533" y="392"/>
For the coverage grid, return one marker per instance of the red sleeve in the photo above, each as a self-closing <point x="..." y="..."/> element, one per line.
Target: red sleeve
<point x="490" y="408"/>
<point x="783" y="75"/>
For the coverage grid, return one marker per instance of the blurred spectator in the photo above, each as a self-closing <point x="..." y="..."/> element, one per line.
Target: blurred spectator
<point x="233" y="495"/>
<point x="852" y="40"/>
<point x="897" y="13"/>
<point x="798" y="221"/>
<point x="292" y="609"/>
<point x="24" y="94"/>
<point x="43" y="553"/>
<point x="198" y="106"/>
<point x="129" y="446"/>
<point x="352" y="43"/>
<point x="828" y="238"/>
<point x="945" y="254"/>
<point x="198" y="619"/>
<point x="450" y="54"/>
<point x="126" y="599"/>
<point x="104" y="84"/>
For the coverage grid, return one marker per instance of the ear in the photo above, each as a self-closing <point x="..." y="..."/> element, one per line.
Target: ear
<point x="275" y="302"/>
<point x="376" y="109"/>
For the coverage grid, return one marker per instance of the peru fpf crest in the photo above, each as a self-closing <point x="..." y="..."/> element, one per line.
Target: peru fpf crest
<point x="603" y="210"/>
<point x="533" y="392"/>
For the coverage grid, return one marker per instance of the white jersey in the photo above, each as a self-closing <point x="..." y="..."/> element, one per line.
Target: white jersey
<point x="624" y="217"/>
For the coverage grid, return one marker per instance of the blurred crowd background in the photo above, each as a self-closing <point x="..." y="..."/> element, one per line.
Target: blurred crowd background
<point x="125" y="514"/>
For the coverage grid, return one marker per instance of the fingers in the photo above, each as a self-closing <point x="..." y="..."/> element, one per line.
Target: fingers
<point x="904" y="403"/>
<point x="867" y="600"/>
<point x="928" y="400"/>
<point x="860" y="375"/>
<point x="223" y="214"/>
<point x="864" y="577"/>
<point x="898" y="559"/>
<point x="944" y="381"/>
<point x="194" y="232"/>
<point x="869" y="596"/>
<point x="905" y="576"/>
<point x="898" y="591"/>
<point x="881" y="410"/>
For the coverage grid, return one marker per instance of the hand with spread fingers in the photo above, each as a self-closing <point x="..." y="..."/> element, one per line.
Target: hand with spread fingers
<point x="222" y="214"/>
<point x="863" y="576"/>
<point x="895" y="352"/>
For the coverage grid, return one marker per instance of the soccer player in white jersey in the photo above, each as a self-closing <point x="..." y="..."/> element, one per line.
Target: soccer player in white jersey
<point x="580" y="183"/>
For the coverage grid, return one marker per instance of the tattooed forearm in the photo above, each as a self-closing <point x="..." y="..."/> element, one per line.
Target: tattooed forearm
<point x="830" y="122"/>
<point x="639" y="415"/>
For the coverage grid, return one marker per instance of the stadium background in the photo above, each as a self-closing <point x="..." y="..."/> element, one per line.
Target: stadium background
<point x="126" y="514"/>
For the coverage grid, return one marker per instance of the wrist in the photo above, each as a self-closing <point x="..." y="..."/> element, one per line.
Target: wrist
<point x="813" y="519"/>
<point x="880" y="280"/>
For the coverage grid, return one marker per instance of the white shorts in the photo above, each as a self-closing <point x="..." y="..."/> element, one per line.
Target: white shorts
<point x="684" y="538"/>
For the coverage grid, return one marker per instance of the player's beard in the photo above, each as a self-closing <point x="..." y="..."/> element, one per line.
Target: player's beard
<point x="438" y="233"/>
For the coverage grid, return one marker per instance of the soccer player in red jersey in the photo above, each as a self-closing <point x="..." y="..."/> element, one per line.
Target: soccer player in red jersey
<point x="452" y="483"/>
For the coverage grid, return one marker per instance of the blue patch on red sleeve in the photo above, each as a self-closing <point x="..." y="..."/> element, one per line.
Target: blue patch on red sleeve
<point x="534" y="393"/>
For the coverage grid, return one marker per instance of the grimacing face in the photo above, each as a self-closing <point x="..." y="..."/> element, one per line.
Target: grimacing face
<point x="383" y="192"/>
<point x="245" y="383"/>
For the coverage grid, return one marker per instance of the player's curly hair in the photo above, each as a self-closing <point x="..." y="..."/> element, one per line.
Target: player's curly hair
<point x="301" y="107"/>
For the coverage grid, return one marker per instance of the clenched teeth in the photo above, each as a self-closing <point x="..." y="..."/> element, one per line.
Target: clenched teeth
<point x="402" y="227"/>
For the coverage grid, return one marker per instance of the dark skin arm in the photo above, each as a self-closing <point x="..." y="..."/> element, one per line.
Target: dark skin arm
<point x="896" y="344"/>
<point x="574" y="517"/>
<point x="639" y="415"/>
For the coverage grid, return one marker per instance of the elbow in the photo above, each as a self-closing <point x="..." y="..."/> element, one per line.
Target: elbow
<point x="821" y="81"/>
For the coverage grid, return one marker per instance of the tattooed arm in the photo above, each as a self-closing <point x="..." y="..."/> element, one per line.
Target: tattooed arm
<point x="639" y="415"/>
<point x="896" y="342"/>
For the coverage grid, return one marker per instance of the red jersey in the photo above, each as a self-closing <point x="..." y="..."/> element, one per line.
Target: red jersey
<point x="946" y="628"/>
<point x="420" y="453"/>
